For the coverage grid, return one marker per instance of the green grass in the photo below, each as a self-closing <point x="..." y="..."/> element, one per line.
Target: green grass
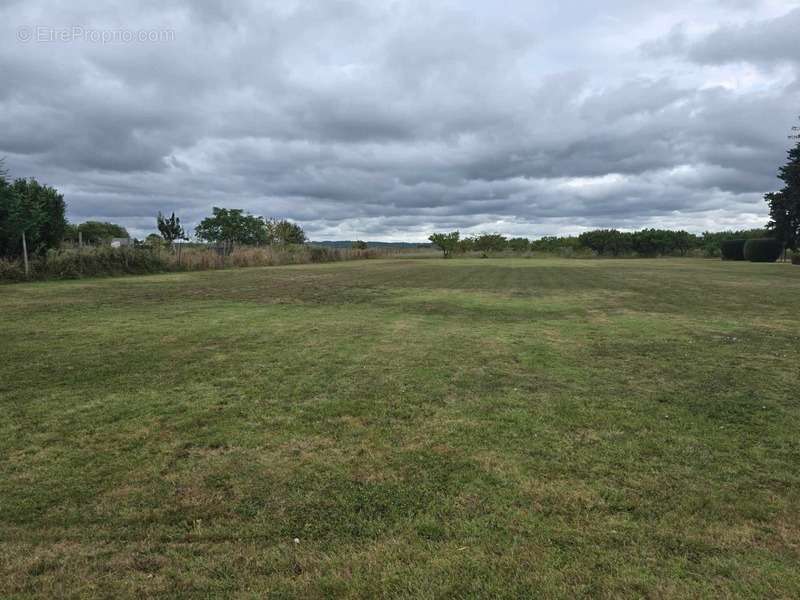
<point x="426" y="428"/>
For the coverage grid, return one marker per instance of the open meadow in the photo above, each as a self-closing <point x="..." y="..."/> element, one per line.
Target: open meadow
<point x="404" y="428"/>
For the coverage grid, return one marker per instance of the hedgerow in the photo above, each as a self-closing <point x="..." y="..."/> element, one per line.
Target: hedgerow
<point x="763" y="250"/>
<point x="732" y="249"/>
<point x="107" y="261"/>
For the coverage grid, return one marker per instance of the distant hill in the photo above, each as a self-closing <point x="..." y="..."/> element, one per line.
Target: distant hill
<point x="349" y="244"/>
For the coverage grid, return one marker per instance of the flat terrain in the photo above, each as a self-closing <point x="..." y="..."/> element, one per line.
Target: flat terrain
<point x="425" y="428"/>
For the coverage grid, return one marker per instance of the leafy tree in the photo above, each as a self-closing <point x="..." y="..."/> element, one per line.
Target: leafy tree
<point x="596" y="240"/>
<point x="35" y="209"/>
<point x="784" y="224"/>
<point x="281" y="231"/>
<point x="466" y="244"/>
<point x="683" y="241"/>
<point x="229" y="226"/>
<point x="359" y="245"/>
<point x="489" y="242"/>
<point x="255" y="231"/>
<point x="10" y="228"/>
<point x="96" y="232"/>
<point x="619" y="243"/>
<point x="606" y="241"/>
<point x="519" y="244"/>
<point x="784" y="206"/>
<point x="51" y="209"/>
<point x="553" y="243"/>
<point x="154" y="240"/>
<point x="649" y="242"/>
<point x="446" y="242"/>
<point x="71" y="233"/>
<point x="170" y="228"/>
<point x="662" y="242"/>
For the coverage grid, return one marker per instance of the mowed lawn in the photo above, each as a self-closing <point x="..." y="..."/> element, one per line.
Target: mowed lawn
<point x="425" y="428"/>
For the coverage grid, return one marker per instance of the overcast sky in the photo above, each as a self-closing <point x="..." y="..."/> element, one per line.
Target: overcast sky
<point x="388" y="120"/>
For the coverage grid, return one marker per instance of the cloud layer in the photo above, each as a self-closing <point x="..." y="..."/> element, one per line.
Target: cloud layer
<point x="386" y="120"/>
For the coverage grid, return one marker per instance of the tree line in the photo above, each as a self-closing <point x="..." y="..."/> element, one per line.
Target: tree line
<point x="33" y="221"/>
<point x="782" y="230"/>
<point x="602" y="242"/>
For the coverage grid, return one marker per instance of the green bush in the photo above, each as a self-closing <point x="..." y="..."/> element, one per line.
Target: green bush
<point x="732" y="249"/>
<point x="762" y="250"/>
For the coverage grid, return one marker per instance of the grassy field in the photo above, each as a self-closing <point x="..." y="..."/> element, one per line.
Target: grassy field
<point x="424" y="428"/>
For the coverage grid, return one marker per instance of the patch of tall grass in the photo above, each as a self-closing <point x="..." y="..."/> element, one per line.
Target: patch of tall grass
<point x="76" y="263"/>
<point x="203" y="258"/>
<point x="93" y="262"/>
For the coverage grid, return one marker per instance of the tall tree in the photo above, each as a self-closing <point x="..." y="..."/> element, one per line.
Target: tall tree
<point x="35" y="210"/>
<point x="8" y="212"/>
<point x="170" y="228"/>
<point x="784" y="206"/>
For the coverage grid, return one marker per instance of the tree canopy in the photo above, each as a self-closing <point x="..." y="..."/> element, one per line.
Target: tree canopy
<point x="446" y="242"/>
<point x="488" y="242"/>
<point x="170" y="228"/>
<point x="784" y="205"/>
<point x="35" y="209"/>
<point x="229" y="226"/>
<point x="281" y="231"/>
<point x="519" y="244"/>
<point x="97" y="232"/>
<point x="605" y="241"/>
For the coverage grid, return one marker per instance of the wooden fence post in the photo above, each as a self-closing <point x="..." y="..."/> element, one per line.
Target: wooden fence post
<point x="25" y="254"/>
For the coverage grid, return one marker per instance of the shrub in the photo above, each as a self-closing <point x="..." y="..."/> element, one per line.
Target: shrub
<point x="763" y="250"/>
<point x="11" y="270"/>
<point x="102" y="261"/>
<point x="732" y="249"/>
<point x="711" y="242"/>
<point x="519" y="244"/>
<point x="94" y="262"/>
<point x="490" y="242"/>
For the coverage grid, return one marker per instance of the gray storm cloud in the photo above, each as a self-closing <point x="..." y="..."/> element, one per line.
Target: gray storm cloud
<point x="387" y="120"/>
